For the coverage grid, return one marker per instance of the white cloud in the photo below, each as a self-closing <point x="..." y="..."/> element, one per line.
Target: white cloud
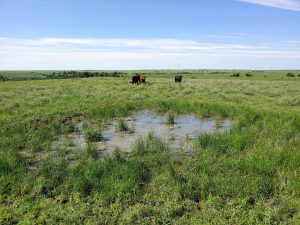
<point x="93" y="53"/>
<point x="292" y="42"/>
<point x="228" y="36"/>
<point x="170" y="44"/>
<point x="281" y="4"/>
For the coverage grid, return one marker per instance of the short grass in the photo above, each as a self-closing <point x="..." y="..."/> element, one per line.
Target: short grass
<point x="190" y="74"/>
<point x="249" y="175"/>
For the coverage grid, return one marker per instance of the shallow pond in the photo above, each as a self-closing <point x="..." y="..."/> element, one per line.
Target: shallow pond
<point x="180" y="135"/>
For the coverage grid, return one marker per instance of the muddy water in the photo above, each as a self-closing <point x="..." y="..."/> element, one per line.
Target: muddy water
<point x="179" y="135"/>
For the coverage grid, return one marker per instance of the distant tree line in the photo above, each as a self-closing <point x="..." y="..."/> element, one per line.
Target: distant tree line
<point x="292" y="75"/>
<point x="63" y="75"/>
<point x="3" y="78"/>
<point x="217" y="72"/>
<point x="83" y="74"/>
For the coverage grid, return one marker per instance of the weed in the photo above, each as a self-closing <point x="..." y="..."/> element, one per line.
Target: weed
<point x="218" y="123"/>
<point x="122" y="126"/>
<point x="93" y="133"/>
<point x="171" y="119"/>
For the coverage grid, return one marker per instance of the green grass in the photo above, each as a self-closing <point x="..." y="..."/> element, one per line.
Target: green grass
<point x="190" y="74"/>
<point x="171" y="119"/>
<point x="92" y="130"/>
<point x="122" y="125"/>
<point x="93" y="134"/>
<point x="249" y="175"/>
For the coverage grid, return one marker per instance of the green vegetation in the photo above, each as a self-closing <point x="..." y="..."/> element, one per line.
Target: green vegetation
<point x="249" y="175"/>
<point x="93" y="133"/>
<point x="235" y="75"/>
<point x="82" y="74"/>
<point x="3" y="78"/>
<point x="290" y="75"/>
<point x="25" y="75"/>
<point x="42" y="75"/>
<point x="122" y="126"/>
<point x="171" y="119"/>
<point x="193" y="74"/>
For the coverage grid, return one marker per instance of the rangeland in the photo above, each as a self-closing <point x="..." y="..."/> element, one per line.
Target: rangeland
<point x="247" y="175"/>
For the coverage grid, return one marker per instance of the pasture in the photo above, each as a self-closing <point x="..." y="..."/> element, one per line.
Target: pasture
<point x="193" y="74"/>
<point x="247" y="175"/>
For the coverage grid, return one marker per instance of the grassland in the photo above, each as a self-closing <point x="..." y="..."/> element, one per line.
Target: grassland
<point x="193" y="74"/>
<point x="249" y="175"/>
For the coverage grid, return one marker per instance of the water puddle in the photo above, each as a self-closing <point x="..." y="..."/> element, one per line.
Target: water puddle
<point x="180" y="135"/>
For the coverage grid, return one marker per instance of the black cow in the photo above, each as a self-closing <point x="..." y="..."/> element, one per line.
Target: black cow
<point x="135" y="79"/>
<point x="178" y="79"/>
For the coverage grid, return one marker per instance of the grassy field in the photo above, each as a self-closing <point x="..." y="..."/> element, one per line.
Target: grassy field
<point x="193" y="74"/>
<point x="11" y="75"/>
<point x="249" y="175"/>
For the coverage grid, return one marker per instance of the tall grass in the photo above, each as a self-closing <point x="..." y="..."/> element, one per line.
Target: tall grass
<point x="122" y="126"/>
<point x="248" y="175"/>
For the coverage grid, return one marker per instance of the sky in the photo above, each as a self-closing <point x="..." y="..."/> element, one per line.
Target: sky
<point x="144" y="34"/>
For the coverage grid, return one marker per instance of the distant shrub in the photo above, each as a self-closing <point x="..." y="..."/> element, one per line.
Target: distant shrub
<point x="235" y="75"/>
<point x="298" y="75"/>
<point x="290" y="75"/>
<point x="249" y="75"/>
<point x="3" y="78"/>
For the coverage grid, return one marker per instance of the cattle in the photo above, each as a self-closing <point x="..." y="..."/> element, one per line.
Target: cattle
<point x="143" y="79"/>
<point x="178" y="79"/>
<point x="135" y="79"/>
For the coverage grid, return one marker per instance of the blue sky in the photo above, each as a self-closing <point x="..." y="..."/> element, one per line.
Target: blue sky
<point x="143" y="34"/>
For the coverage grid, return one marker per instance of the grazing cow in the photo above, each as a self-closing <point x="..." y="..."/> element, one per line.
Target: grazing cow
<point x="178" y="79"/>
<point x="143" y="79"/>
<point x="135" y="79"/>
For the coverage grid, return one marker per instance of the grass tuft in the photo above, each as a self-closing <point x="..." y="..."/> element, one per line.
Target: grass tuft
<point x="171" y="119"/>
